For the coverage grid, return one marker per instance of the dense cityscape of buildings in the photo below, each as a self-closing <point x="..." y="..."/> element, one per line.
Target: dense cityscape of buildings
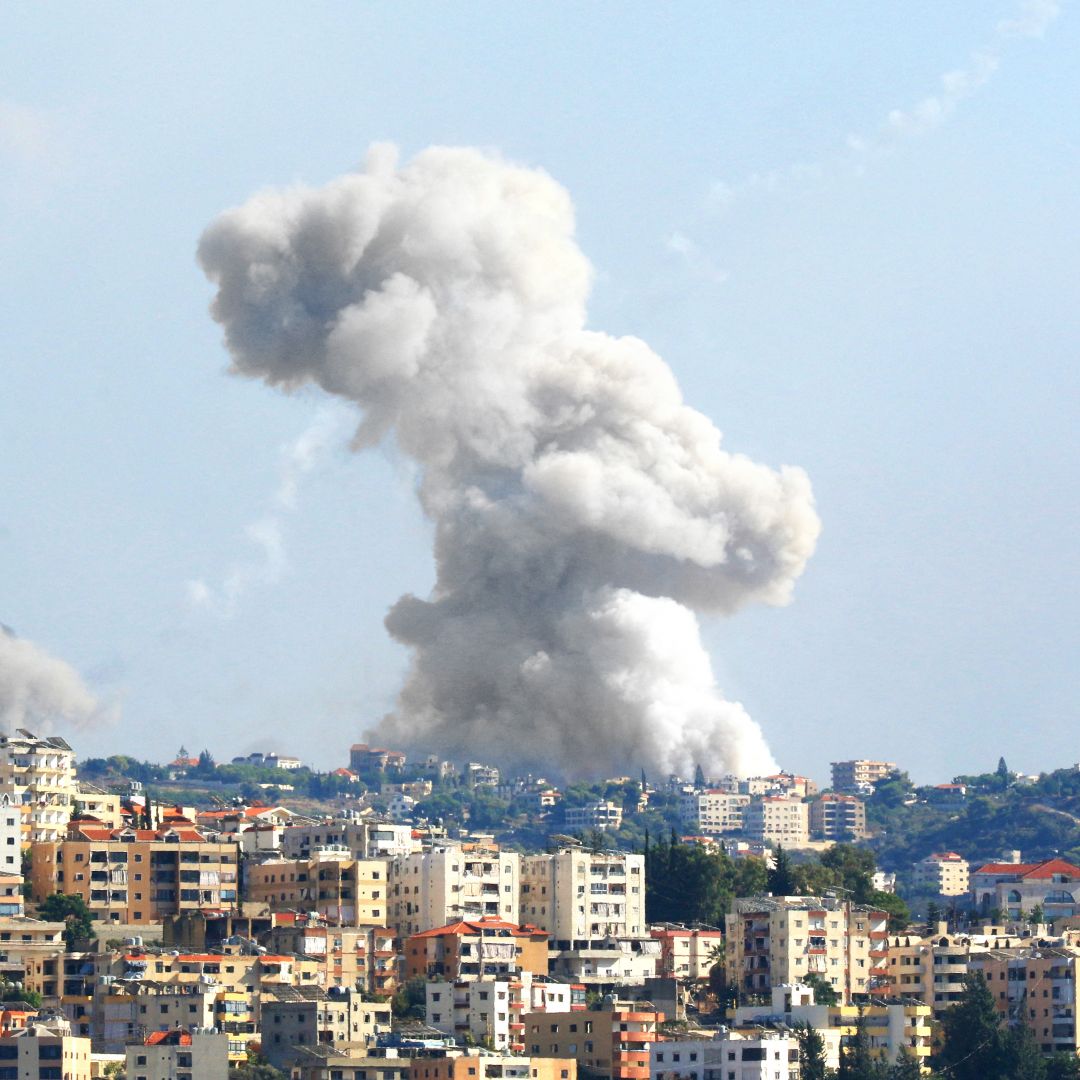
<point x="364" y="940"/>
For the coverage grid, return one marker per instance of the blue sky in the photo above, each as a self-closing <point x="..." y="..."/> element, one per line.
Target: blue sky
<point x="849" y="230"/>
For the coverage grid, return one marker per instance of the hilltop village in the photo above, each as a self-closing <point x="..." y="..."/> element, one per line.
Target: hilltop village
<point x="400" y="919"/>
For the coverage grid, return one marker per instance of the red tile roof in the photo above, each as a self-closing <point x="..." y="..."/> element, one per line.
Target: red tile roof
<point x="1032" y="871"/>
<point x="476" y="927"/>
<point x="170" y="1038"/>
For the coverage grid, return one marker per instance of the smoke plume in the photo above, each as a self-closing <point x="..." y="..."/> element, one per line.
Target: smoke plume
<point x="582" y="511"/>
<point x="37" y="690"/>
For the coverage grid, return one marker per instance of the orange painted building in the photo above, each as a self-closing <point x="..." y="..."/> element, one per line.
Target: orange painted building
<point x="468" y="950"/>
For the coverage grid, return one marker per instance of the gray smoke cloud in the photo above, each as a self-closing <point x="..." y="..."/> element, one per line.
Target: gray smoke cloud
<point x="583" y="513"/>
<point x="37" y="690"/>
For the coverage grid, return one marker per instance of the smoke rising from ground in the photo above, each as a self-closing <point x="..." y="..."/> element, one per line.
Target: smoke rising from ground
<point x="37" y="690"/>
<point x="582" y="511"/>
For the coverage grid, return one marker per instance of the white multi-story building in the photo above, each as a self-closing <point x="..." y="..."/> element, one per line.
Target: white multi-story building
<point x="713" y="812"/>
<point x="778" y="819"/>
<point x="944" y="872"/>
<point x="430" y="889"/>
<point x="11" y="829"/>
<point x="598" y="815"/>
<point x="771" y="1056"/>
<point x="491" y="1009"/>
<point x="578" y="895"/>
<point x="42" y="772"/>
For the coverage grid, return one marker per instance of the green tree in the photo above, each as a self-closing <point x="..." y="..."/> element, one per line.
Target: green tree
<point x="1036" y="915"/>
<point x="933" y="915"/>
<point x="72" y="910"/>
<point x="811" y="1053"/>
<point x="1003" y="774"/>
<point x="894" y="906"/>
<point x="856" y="1060"/>
<point x="410" y="1001"/>
<point x="824" y="991"/>
<point x="781" y="879"/>
<point x="256" y="1068"/>
<point x="1063" y="1067"/>
<point x="1023" y="1059"/>
<point x="975" y="1044"/>
<point x="906" y="1066"/>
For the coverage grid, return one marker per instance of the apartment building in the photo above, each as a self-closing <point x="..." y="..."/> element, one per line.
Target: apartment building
<point x="581" y="896"/>
<point x="859" y="777"/>
<point x="45" y="1050"/>
<point x="1039" y="985"/>
<point x="11" y="831"/>
<point x="35" y="946"/>
<point x="348" y="891"/>
<point x="136" y="875"/>
<point x="688" y="955"/>
<point x="489" y="1067"/>
<point x="771" y="941"/>
<point x="363" y="837"/>
<point x="293" y="1017"/>
<point x="115" y="1012"/>
<point x="943" y="872"/>
<point x="483" y="948"/>
<point x="889" y="1027"/>
<point x="838" y="817"/>
<point x="450" y="883"/>
<point x="42" y="772"/>
<point x="365" y="957"/>
<point x="764" y="1055"/>
<point x="933" y="968"/>
<point x="613" y="1041"/>
<point x="603" y="816"/>
<point x="178" y="1055"/>
<point x="778" y="819"/>
<point x="713" y="812"/>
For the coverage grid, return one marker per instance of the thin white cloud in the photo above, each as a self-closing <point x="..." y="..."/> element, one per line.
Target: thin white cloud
<point x="1031" y="21"/>
<point x="267" y="532"/>
<point x="697" y="262"/>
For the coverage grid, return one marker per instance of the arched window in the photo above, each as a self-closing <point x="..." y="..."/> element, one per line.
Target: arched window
<point x="1014" y="896"/>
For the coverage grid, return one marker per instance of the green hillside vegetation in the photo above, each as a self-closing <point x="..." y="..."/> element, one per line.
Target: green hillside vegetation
<point x="1040" y="819"/>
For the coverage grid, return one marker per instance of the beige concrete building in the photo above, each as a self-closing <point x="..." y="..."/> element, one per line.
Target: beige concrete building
<point x="42" y="772"/>
<point x="1039" y="985"/>
<point x="688" y="954"/>
<point x="365" y="957"/>
<point x="348" y="891"/>
<point x="578" y="895"/>
<point x="943" y="872"/>
<point x="489" y="1067"/>
<point x="854" y="777"/>
<point x="45" y="1050"/>
<point x="38" y="948"/>
<point x="772" y="941"/>
<point x="838" y="817"/>
<point x="933" y="968"/>
<point x="433" y="888"/>
<point x="778" y="819"/>
<point x="136" y="875"/>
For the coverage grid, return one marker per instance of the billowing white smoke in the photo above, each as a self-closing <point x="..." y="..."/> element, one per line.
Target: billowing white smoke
<point x="37" y="690"/>
<point x="580" y="508"/>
